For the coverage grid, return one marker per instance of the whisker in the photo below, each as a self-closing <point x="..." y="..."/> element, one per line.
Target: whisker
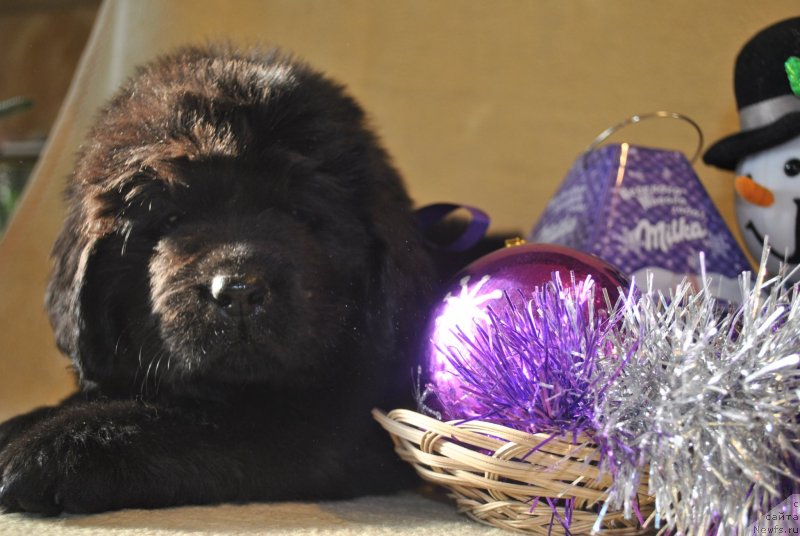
<point x="156" y="378"/>
<point x="146" y="380"/>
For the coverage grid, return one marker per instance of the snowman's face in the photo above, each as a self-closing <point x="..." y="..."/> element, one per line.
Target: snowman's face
<point x="778" y="170"/>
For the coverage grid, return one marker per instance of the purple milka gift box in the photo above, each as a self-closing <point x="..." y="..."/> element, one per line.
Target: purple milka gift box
<point x="644" y="210"/>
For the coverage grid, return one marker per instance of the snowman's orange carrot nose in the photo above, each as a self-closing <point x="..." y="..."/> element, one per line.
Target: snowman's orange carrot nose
<point x="753" y="192"/>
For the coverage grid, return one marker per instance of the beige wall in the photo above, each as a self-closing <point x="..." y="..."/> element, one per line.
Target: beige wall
<point x="481" y="102"/>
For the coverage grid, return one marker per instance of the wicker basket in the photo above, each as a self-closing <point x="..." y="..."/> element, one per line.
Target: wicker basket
<point x="495" y="473"/>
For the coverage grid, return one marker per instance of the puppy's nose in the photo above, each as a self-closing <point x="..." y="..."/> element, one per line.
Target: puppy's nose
<point x="237" y="297"/>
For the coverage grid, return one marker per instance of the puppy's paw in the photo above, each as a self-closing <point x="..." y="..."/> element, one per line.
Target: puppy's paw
<point x="31" y="491"/>
<point x="56" y="466"/>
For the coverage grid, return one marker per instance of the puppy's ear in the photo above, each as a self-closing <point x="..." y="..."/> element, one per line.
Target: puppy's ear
<point x="71" y="255"/>
<point x="404" y="285"/>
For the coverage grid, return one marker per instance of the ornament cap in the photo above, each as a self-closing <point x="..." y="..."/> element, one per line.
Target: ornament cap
<point x="516" y="241"/>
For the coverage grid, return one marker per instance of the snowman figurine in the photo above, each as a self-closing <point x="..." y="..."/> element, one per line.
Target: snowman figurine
<point x="766" y="154"/>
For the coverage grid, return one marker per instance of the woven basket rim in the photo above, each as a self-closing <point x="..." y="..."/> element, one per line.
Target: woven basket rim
<point x="495" y="473"/>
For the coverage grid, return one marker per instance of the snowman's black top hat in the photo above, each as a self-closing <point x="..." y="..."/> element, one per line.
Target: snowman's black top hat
<point x="768" y="102"/>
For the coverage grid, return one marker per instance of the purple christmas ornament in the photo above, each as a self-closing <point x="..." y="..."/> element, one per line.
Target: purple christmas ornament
<point x="506" y="316"/>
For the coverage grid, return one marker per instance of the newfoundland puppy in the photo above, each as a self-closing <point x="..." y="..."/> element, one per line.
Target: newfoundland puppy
<point x="238" y="281"/>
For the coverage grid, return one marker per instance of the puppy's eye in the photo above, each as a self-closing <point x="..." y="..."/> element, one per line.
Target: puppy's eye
<point x="309" y="219"/>
<point x="792" y="167"/>
<point x="170" y="222"/>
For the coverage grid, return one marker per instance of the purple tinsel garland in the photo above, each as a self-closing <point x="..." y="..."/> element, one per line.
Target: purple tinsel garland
<point x="533" y="366"/>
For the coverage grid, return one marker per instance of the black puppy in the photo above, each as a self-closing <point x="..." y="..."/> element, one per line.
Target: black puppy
<point x="238" y="281"/>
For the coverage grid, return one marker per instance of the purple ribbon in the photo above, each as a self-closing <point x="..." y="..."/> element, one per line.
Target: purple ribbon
<point x="430" y="215"/>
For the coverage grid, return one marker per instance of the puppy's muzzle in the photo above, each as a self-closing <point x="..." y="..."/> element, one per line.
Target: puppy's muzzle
<point x="238" y="296"/>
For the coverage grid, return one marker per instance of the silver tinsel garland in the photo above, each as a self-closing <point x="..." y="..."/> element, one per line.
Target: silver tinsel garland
<point x="708" y="408"/>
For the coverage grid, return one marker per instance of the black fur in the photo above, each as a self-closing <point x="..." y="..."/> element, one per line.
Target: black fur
<point x="257" y="171"/>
